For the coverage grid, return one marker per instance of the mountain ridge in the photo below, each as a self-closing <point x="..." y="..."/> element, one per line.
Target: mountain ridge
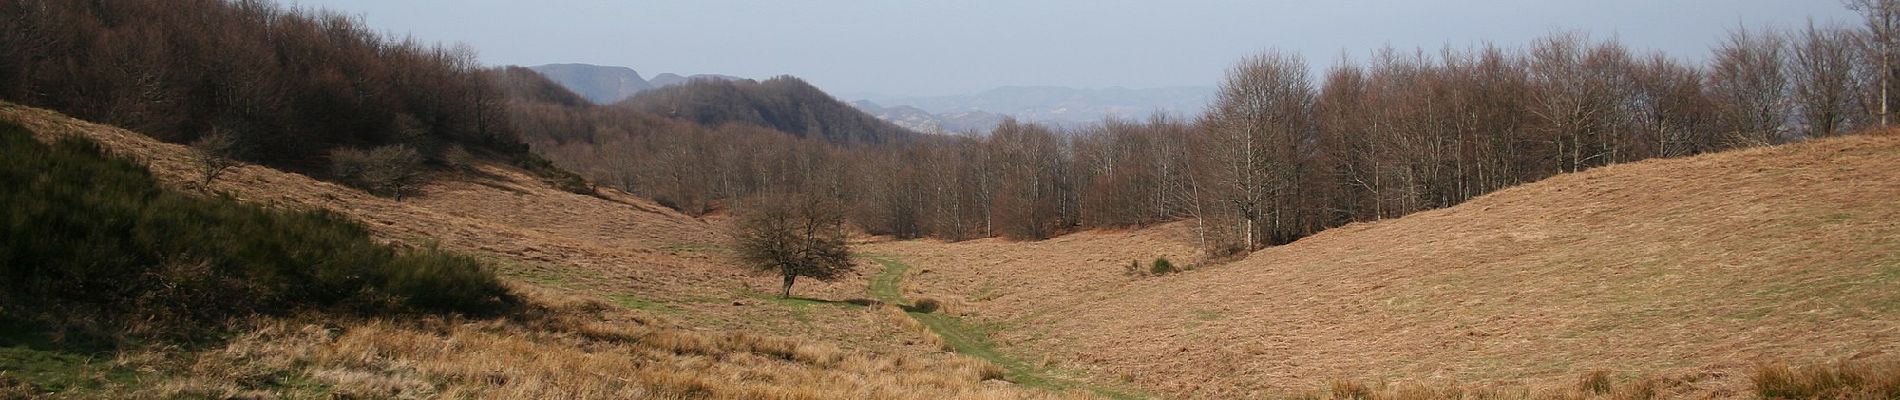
<point x="609" y="84"/>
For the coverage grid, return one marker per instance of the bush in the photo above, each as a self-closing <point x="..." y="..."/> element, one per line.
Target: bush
<point x="89" y="232"/>
<point x="457" y="157"/>
<point x="389" y="171"/>
<point x="1162" y="266"/>
<point x="215" y="152"/>
<point x="926" y="306"/>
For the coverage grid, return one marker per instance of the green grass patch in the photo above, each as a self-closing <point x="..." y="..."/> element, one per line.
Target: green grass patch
<point x="31" y="356"/>
<point x="986" y="292"/>
<point x="974" y="339"/>
<point x="800" y="307"/>
<point x="1208" y="315"/>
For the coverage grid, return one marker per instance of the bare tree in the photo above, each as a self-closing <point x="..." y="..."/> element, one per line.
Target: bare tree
<point x="1749" y="87"/>
<point x="215" y="153"/>
<point x="1823" y="74"/>
<point x="1882" y="18"/>
<point x="1262" y="113"/>
<point x="794" y="235"/>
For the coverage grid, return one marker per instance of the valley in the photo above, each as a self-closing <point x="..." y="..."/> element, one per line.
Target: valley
<point x="251" y="200"/>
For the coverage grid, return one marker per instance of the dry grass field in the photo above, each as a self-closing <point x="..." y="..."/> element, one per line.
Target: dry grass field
<point x="1766" y="271"/>
<point x="634" y="301"/>
<point x="1695" y="269"/>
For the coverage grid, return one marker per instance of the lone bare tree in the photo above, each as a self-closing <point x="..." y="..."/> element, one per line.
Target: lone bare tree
<point x="795" y="235"/>
<point x="215" y="153"/>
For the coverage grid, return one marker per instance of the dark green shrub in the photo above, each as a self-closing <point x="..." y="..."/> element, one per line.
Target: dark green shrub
<point x="1162" y="266"/>
<point x="926" y="306"/>
<point x="90" y="232"/>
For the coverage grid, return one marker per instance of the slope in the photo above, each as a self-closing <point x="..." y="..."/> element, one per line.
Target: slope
<point x="640" y="300"/>
<point x="1696" y="268"/>
<point x="783" y="103"/>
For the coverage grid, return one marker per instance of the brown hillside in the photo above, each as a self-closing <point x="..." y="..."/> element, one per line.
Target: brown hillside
<point x="687" y="325"/>
<point x="617" y="246"/>
<point x="1694" y="267"/>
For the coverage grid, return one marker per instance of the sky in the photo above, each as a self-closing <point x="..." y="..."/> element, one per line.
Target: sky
<point x="867" y="48"/>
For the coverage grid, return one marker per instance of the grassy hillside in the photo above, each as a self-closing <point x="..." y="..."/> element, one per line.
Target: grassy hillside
<point x="619" y="298"/>
<point x="96" y="237"/>
<point x="1696" y="268"/>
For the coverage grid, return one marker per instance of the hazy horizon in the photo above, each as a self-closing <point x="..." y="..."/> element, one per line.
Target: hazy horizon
<point x="862" y="48"/>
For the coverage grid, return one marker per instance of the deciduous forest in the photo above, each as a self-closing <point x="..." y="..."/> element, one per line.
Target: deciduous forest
<point x="1282" y="153"/>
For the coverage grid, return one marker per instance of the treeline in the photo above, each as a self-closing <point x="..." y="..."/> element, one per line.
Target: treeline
<point x="291" y="85"/>
<point x="1280" y="154"/>
<point x="1413" y="131"/>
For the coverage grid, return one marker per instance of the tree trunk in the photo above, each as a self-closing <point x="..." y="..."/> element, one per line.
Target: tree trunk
<point x="788" y="285"/>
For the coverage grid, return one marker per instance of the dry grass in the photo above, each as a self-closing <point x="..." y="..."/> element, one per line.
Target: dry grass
<point x="1596" y="384"/>
<point x="615" y="246"/>
<point x="1700" y="265"/>
<point x="895" y="316"/>
<point x="579" y="349"/>
<point x="1842" y="380"/>
<point x="670" y="268"/>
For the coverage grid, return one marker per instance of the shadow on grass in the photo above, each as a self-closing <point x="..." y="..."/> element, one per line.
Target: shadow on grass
<point x="55" y="363"/>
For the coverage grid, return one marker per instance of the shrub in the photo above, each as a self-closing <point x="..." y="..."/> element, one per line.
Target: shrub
<point x="89" y="232"/>
<point x="215" y="152"/>
<point x="457" y="157"/>
<point x="389" y="171"/>
<point x="1162" y="266"/>
<point x="926" y="306"/>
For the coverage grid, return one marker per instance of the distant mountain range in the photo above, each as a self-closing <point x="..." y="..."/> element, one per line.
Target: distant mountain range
<point x="919" y="120"/>
<point x="1053" y="105"/>
<point x="608" y="84"/>
<point x="980" y="112"/>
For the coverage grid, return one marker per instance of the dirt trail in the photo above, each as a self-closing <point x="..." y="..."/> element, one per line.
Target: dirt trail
<point x="1697" y="267"/>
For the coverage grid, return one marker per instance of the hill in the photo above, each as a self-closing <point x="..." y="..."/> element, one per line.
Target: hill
<point x="599" y="84"/>
<point x="627" y="299"/>
<point x="783" y="103"/>
<point x="1692" y="270"/>
<point x="292" y="85"/>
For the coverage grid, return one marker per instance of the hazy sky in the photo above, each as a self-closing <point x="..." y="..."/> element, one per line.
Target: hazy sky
<point x="907" y="47"/>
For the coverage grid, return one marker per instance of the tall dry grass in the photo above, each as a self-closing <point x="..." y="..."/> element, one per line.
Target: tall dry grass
<point x="1846" y="380"/>
<point x="576" y="350"/>
<point x="1841" y="380"/>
